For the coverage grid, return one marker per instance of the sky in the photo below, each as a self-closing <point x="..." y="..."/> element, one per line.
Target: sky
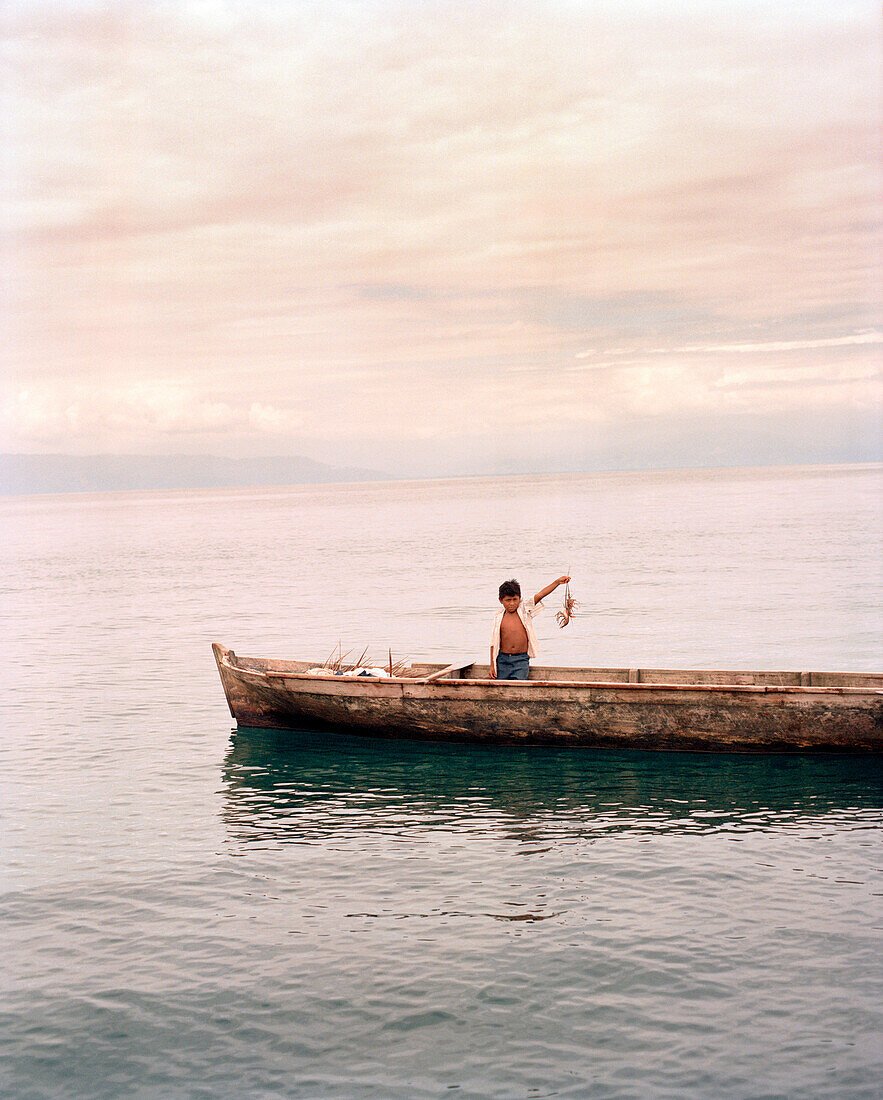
<point x="438" y="238"/>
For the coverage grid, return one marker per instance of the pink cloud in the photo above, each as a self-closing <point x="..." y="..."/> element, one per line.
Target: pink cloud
<point x="199" y="188"/>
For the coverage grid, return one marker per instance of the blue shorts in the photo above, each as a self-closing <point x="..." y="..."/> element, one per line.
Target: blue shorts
<point x="513" y="666"/>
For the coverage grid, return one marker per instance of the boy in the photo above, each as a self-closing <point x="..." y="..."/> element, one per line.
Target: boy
<point x="513" y="641"/>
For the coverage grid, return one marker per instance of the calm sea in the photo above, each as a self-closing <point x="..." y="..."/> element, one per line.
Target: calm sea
<point x="192" y="911"/>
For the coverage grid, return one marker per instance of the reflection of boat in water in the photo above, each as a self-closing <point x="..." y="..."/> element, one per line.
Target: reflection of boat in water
<point x="280" y="787"/>
<point x="593" y="707"/>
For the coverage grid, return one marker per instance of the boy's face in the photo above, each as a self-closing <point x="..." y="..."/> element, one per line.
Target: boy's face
<point x="510" y="603"/>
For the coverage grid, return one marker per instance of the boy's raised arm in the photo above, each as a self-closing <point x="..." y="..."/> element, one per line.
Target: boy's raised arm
<point x="543" y="592"/>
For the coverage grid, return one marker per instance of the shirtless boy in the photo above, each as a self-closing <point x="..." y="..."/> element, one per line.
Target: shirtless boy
<point x="513" y="641"/>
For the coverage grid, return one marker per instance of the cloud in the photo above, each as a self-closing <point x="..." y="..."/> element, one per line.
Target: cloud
<point x="856" y="339"/>
<point x="71" y="415"/>
<point x="341" y="219"/>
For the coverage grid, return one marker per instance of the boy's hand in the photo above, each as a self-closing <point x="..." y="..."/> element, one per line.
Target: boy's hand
<point x="493" y="672"/>
<point x="562" y="580"/>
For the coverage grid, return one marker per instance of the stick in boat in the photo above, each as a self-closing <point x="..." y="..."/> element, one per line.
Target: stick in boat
<point x="335" y="663"/>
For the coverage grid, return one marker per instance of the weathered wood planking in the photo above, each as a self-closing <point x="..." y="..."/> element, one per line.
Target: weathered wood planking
<point x="734" y="711"/>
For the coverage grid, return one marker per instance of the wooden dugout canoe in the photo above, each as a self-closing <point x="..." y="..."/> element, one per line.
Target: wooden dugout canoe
<point x="668" y="709"/>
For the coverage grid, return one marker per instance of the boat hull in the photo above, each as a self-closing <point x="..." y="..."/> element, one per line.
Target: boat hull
<point x="730" y="717"/>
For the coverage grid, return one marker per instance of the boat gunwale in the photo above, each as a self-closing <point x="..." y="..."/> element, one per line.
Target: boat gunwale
<point x="437" y="679"/>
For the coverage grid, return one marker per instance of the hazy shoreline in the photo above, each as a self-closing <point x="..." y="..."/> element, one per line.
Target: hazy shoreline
<point x="52" y="475"/>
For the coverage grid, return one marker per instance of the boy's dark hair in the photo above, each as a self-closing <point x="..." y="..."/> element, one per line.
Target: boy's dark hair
<point x="510" y="588"/>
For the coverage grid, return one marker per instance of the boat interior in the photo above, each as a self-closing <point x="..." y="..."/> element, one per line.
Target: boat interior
<point x="474" y="671"/>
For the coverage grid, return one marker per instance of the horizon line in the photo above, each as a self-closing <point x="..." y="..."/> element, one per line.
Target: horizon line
<point x="865" y="465"/>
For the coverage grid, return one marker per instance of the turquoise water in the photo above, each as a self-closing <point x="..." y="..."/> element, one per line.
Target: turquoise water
<point x="191" y="910"/>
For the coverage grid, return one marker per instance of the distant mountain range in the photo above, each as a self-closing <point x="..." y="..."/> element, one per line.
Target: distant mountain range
<point x="21" y="474"/>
